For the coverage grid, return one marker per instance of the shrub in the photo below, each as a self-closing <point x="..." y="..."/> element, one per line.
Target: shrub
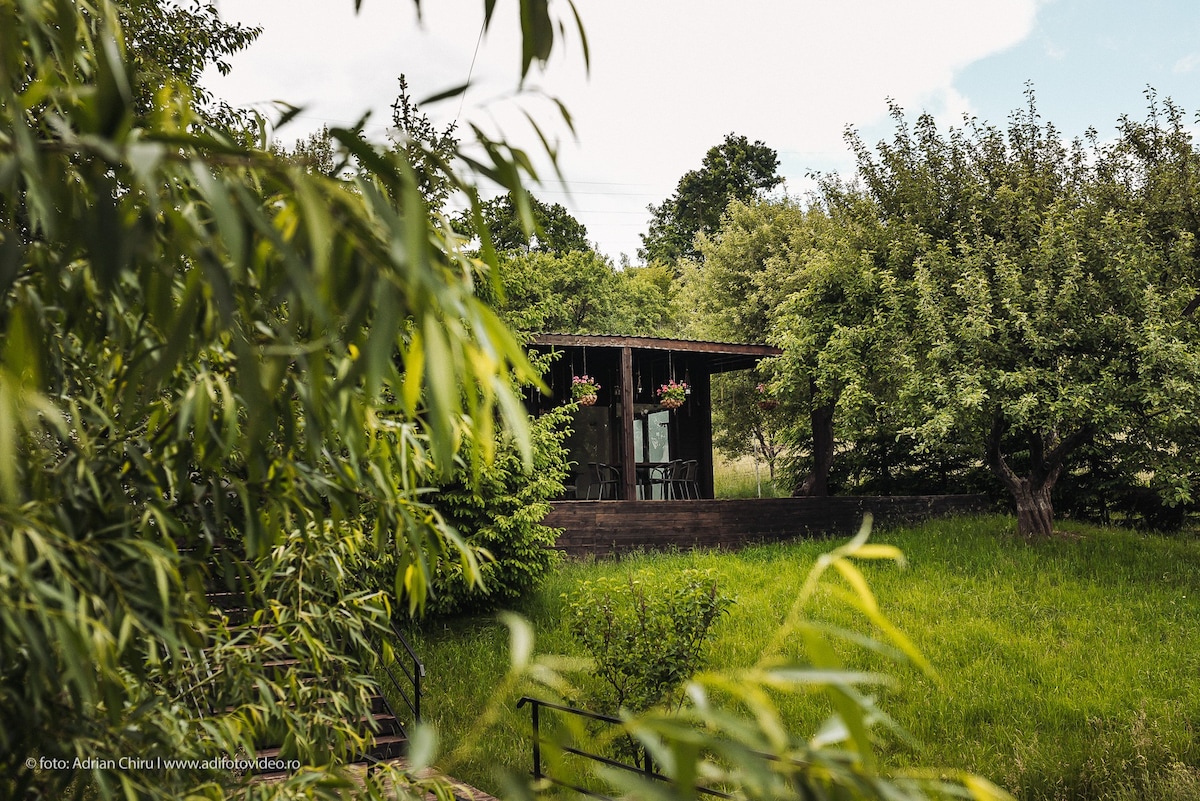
<point x="501" y="511"/>
<point x="646" y="640"/>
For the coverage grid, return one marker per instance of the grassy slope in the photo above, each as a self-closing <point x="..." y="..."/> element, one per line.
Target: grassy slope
<point x="1069" y="669"/>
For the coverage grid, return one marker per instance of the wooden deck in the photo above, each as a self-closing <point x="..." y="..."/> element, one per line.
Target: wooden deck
<point x="606" y="528"/>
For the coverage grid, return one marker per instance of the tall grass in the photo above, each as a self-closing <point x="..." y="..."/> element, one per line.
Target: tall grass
<point x="1067" y="669"/>
<point x="739" y="478"/>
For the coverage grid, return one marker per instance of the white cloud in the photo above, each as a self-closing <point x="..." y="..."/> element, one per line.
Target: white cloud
<point x="669" y="78"/>
<point x="1187" y="64"/>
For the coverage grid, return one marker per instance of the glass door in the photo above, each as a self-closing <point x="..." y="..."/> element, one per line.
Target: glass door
<point x="652" y="447"/>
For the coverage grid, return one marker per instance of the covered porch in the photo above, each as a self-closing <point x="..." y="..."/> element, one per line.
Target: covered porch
<point x="629" y="445"/>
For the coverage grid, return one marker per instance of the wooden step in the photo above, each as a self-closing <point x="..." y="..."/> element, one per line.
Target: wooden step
<point x="386" y="725"/>
<point x="225" y="600"/>
<point x="389" y="746"/>
<point x="386" y="733"/>
<point x="383" y="748"/>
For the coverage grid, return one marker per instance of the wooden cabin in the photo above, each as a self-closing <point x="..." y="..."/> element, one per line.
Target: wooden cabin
<point x="629" y="434"/>
<point x="623" y="445"/>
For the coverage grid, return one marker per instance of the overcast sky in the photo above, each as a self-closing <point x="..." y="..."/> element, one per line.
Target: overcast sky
<point x="669" y="78"/>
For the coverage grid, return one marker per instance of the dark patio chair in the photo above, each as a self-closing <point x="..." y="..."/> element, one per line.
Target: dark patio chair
<point x="606" y="482"/>
<point x="657" y="475"/>
<point x="683" y="484"/>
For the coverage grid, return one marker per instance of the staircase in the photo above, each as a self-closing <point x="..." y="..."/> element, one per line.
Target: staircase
<point x="385" y="730"/>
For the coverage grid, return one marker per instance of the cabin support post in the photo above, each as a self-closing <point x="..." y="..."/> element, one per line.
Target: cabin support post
<point x="702" y="407"/>
<point x="628" y="459"/>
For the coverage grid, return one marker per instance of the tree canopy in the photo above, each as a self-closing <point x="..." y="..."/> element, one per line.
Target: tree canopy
<point x="1047" y="306"/>
<point x="979" y="296"/>
<point x="554" y="230"/>
<point x="776" y="271"/>
<point x="418" y="142"/>
<point x="169" y="45"/>
<point x="736" y="169"/>
<point x="581" y="292"/>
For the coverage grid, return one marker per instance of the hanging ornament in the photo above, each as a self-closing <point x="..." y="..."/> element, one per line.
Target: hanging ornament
<point x="584" y="389"/>
<point x="672" y="394"/>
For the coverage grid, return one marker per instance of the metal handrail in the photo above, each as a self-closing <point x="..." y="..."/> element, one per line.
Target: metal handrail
<point x="645" y="769"/>
<point x="413" y="654"/>
<point x="414" y="676"/>
<point x="574" y="710"/>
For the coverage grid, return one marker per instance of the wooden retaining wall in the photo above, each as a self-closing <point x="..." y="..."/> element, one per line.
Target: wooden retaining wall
<point x="605" y="528"/>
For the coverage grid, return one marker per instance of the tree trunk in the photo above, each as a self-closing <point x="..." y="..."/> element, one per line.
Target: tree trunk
<point x="1047" y="455"/>
<point x="1035" y="511"/>
<point x="817" y="481"/>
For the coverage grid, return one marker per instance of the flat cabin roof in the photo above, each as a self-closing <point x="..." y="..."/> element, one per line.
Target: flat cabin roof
<point x="719" y="356"/>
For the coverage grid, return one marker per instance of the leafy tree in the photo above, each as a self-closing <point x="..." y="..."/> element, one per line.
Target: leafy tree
<point x="414" y="138"/>
<point x="1152" y="169"/>
<point x="1045" y="315"/>
<point x="170" y="44"/>
<point x="838" y="331"/>
<point x="315" y="152"/>
<point x="733" y="294"/>
<point x="581" y="293"/>
<point x="738" y="293"/>
<point x="430" y="151"/>
<point x="575" y="293"/>
<point x="776" y="271"/>
<point x="747" y="420"/>
<point x="736" y="169"/>
<point x="554" y="229"/>
<point x="645" y="302"/>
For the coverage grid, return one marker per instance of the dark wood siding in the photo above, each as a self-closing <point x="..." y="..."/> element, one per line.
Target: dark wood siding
<point x="603" y="528"/>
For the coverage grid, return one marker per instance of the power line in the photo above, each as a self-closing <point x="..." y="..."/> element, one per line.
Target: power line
<point x="599" y="183"/>
<point x="471" y="71"/>
<point x="599" y="194"/>
<point x="607" y="211"/>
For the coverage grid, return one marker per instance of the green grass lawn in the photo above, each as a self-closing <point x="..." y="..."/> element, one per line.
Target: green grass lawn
<point x="1067" y="669"/>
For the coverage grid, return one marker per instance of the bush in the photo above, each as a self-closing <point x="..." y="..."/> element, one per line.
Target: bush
<point x="1111" y="481"/>
<point x="501" y="511"/>
<point x="646" y="640"/>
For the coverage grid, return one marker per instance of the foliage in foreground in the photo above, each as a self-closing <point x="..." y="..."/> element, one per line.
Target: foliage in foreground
<point x="216" y="367"/>
<point x="645" y="637"/>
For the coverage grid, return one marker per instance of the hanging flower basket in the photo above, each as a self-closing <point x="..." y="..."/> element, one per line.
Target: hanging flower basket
<point x="765" y="402"/>
<point x="584" y="389"/>
<point x="672" y="394"/>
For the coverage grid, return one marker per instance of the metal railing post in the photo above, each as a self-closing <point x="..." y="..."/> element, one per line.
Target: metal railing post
<point x="537" y="744"/>
<point x="418" y="669"/>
